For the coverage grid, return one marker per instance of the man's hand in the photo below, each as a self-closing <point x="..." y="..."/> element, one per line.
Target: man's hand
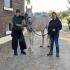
<point x="20" y="25"/>
<point x="54" y="30"/>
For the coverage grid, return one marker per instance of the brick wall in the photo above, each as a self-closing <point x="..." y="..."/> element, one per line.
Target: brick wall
<point x="6" y="15"/>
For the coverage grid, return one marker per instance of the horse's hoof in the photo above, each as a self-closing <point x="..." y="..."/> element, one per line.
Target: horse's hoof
<point x="29" y="49"/>
<point x="48" y="46"/>
<point x="41" y="46"/>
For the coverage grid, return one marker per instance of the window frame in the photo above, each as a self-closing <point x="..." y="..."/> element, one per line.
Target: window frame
<point x="10" y="8"/>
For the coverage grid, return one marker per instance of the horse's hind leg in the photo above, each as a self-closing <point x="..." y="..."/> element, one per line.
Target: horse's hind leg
<point x="48" y="39"/>
<point x="42" y="39"/>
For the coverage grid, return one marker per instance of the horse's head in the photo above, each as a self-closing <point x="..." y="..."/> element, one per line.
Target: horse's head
<point x="29" y="11"/>
<point x="29" y="15"/>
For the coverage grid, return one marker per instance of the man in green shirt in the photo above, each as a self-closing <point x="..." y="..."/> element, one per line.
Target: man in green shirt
<point x="17" y="34"/>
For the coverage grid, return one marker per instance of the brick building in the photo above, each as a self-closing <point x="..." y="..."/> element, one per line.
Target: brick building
<point x="7" y="8"/>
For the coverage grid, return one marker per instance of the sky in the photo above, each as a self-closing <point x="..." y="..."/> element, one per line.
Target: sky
<point x="47" y="5"/>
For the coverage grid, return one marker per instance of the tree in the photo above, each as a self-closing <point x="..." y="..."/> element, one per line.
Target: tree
<point x="69" y="4"/>
<point x="50" y="12"/>
<point x="28" y="1"/>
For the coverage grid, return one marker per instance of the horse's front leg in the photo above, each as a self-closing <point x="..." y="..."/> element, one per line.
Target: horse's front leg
<point x="31" y="40"/>
<point x="42" y="39"/>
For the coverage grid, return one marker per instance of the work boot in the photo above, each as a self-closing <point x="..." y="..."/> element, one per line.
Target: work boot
<point x="23" y="52"/>
<point x="57" y="55"/>
<point x="15" y="52"/>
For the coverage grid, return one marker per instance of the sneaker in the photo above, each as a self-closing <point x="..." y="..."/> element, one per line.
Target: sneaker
<point x="49" y="54"/>
<point x="15" y="52"/>
<point x="23" y="52"/>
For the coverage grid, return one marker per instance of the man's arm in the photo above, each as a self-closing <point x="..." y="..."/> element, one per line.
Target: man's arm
<point x="22" y="17"/>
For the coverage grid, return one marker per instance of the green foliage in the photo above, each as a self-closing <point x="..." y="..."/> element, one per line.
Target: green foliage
<point x="64" y="14"/>
<point x="49" y="13"/>
<point x="28" y="1"/>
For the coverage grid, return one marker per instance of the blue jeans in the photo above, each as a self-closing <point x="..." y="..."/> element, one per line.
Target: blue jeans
<point x="54" y="38"/>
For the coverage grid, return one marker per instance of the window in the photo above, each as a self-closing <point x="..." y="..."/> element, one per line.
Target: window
<point x="8" y="28"/>
<point x="8" y="3"/>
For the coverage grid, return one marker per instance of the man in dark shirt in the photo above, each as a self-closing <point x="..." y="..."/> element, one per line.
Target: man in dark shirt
<point x="53" y="30"/>
<point x="17" y="34"/>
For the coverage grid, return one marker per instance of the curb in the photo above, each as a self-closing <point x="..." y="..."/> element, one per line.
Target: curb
<point x="8" y="38"/>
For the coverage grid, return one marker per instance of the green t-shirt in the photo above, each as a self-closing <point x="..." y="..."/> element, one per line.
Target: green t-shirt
<point x="17" y="20"/>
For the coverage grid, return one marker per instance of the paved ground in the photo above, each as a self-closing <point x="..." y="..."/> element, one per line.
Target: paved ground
<point x="38" y="60"/>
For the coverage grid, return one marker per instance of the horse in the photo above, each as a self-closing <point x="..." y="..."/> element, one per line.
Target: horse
<point x="36" y="23"/>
